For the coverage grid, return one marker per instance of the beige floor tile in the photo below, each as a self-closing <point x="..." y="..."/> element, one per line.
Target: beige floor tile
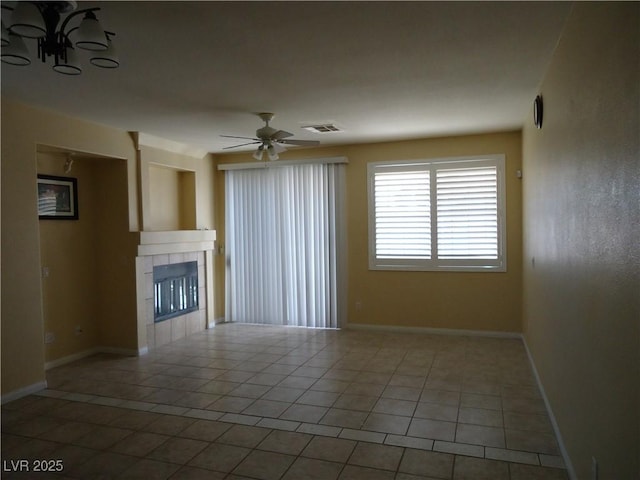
<point x="139" y="444"/>
<point x="433" y="429"/>
<point x="527" y="421"/>
<point x="297" y="382"/>
<point x="231" y="404"/>
<point x="469" y="468"/>
<point x="102" y="437"/>
<point x="433" y="464"/>
<point x="402" y="393"/>
<point x="441" y="397"/>
<point x="68" y="432"/>
<point x="532" y="442"/>
<point x="304" y="413"/>
<point x="392" y="406"/>
<point x="290" y="443"/>
<point x="338" y="417"/>
<point x="353" y="472"/>
<point x="102" y="465"/>
<point x="193" y="473"/>
<point x="219" y="457"/>
<point x="206" y="430"/>
<point x="475" y="400"/>
<point x="434" y="411"/>
<point x="169" y="424"/>
<point x="480" y="435"/>
<point x="318" y="398"/>
<point x="355" y="402"/>
<point x="529" y="472"/>
<point x="381" y="422"/>
<point x="266" y="408"/>
<point x="178" y="450"/>
<point x="283" y="394"/>
<point x="383" y="457"/>
<point x="312" y="469"/>
<point x="264" y="465"/>
<point x="329" y="385"/>
<point x="344" y="386"/>
<point x="244" y="436"/>
<point x="331" y="449"/>
<point x="148" y="469"/>
<point x="480" y="416"/>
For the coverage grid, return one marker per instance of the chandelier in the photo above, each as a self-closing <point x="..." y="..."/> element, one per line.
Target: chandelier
<point x="39" y="20"/>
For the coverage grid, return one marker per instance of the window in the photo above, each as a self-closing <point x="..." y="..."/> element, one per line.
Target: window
<point x="445" y="214"/>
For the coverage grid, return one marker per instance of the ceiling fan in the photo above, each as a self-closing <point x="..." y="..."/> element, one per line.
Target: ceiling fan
<point x="270" y="139"/>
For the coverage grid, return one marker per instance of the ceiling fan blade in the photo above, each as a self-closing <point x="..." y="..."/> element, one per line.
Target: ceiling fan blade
<point x="241" y="145"/>
<point x="306" y="143"/>
<point x="280" y="134"/>
<point x="244" y="138"/>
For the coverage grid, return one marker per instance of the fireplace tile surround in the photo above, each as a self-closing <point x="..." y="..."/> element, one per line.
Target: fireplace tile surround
<point x="168" y="248"/>
<point x="175" y="328"/>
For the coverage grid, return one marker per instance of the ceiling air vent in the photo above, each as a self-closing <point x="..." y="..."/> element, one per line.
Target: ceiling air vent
<point x="323" y="128"/>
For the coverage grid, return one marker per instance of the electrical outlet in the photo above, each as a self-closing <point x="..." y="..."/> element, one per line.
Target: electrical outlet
<point x="358" y="306"/>
<point x="45" y="272"/>
<point x="49" y="337"/>
<point x="594" y="468"/>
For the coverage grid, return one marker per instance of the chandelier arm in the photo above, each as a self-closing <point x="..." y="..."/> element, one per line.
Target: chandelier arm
<point x="75" y="14"/>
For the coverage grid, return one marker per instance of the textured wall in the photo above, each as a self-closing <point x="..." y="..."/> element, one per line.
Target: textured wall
<point x="582" y="238"/>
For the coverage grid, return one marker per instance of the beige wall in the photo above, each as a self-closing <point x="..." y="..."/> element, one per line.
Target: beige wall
<point x="175" y="188"/>
<point x="582" y="239"/>
<point x="89" y="280"/>
<point x="23" y="129"/>
<point x="119" y="193"/>
<point x="165" y="198"/>
<point x="451" y="300"/>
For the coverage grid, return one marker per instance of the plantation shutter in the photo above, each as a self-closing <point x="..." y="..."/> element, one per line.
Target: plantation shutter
<point x="403" y="214"/>
<point x="467" y="205"/>
<point x="443" y="214"/>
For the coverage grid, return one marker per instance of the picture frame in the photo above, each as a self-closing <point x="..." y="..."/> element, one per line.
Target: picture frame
<point x="57" y="198"/>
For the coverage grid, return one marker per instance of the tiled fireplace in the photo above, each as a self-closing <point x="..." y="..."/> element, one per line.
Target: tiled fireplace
<point x="168" y="250"/>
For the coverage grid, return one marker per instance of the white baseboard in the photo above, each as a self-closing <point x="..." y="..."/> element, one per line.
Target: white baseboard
<point x="433" y="331"/>
<point x="23" y="392"/>
<point x="556" y="429"/>
<point x="70" y="358"/>
<point x="92" y="351"/>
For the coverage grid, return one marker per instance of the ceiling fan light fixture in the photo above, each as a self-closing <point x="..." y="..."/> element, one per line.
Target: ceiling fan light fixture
<point x="258" y="153"/>
<point x="27" y="21"/>
<point x="90" y="34"/>
<point x="16" y="52"/>
<point x="271" y="151"/>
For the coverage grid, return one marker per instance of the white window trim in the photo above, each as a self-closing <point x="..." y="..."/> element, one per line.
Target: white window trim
<point x="434" y="264"/>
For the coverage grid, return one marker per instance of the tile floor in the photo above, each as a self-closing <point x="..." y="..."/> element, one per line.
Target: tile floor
<point x="260" y="402"/>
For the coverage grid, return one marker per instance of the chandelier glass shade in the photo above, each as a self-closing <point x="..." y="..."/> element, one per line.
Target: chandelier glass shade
<point x="41" y="20"/>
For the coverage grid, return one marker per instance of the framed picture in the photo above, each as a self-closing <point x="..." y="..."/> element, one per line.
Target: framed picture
<point x="57" y="198"/>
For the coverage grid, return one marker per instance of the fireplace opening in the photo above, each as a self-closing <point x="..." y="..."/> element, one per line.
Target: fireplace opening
<point x="175" y="290"/>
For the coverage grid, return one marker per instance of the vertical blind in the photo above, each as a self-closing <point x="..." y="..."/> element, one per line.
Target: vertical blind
<point x="282" y="245"/>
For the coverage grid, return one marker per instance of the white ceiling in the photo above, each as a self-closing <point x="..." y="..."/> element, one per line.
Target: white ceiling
<point x="191" y="71"/>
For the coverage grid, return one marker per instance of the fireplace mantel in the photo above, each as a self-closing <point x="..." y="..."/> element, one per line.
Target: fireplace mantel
<point x="175" y="241"/>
